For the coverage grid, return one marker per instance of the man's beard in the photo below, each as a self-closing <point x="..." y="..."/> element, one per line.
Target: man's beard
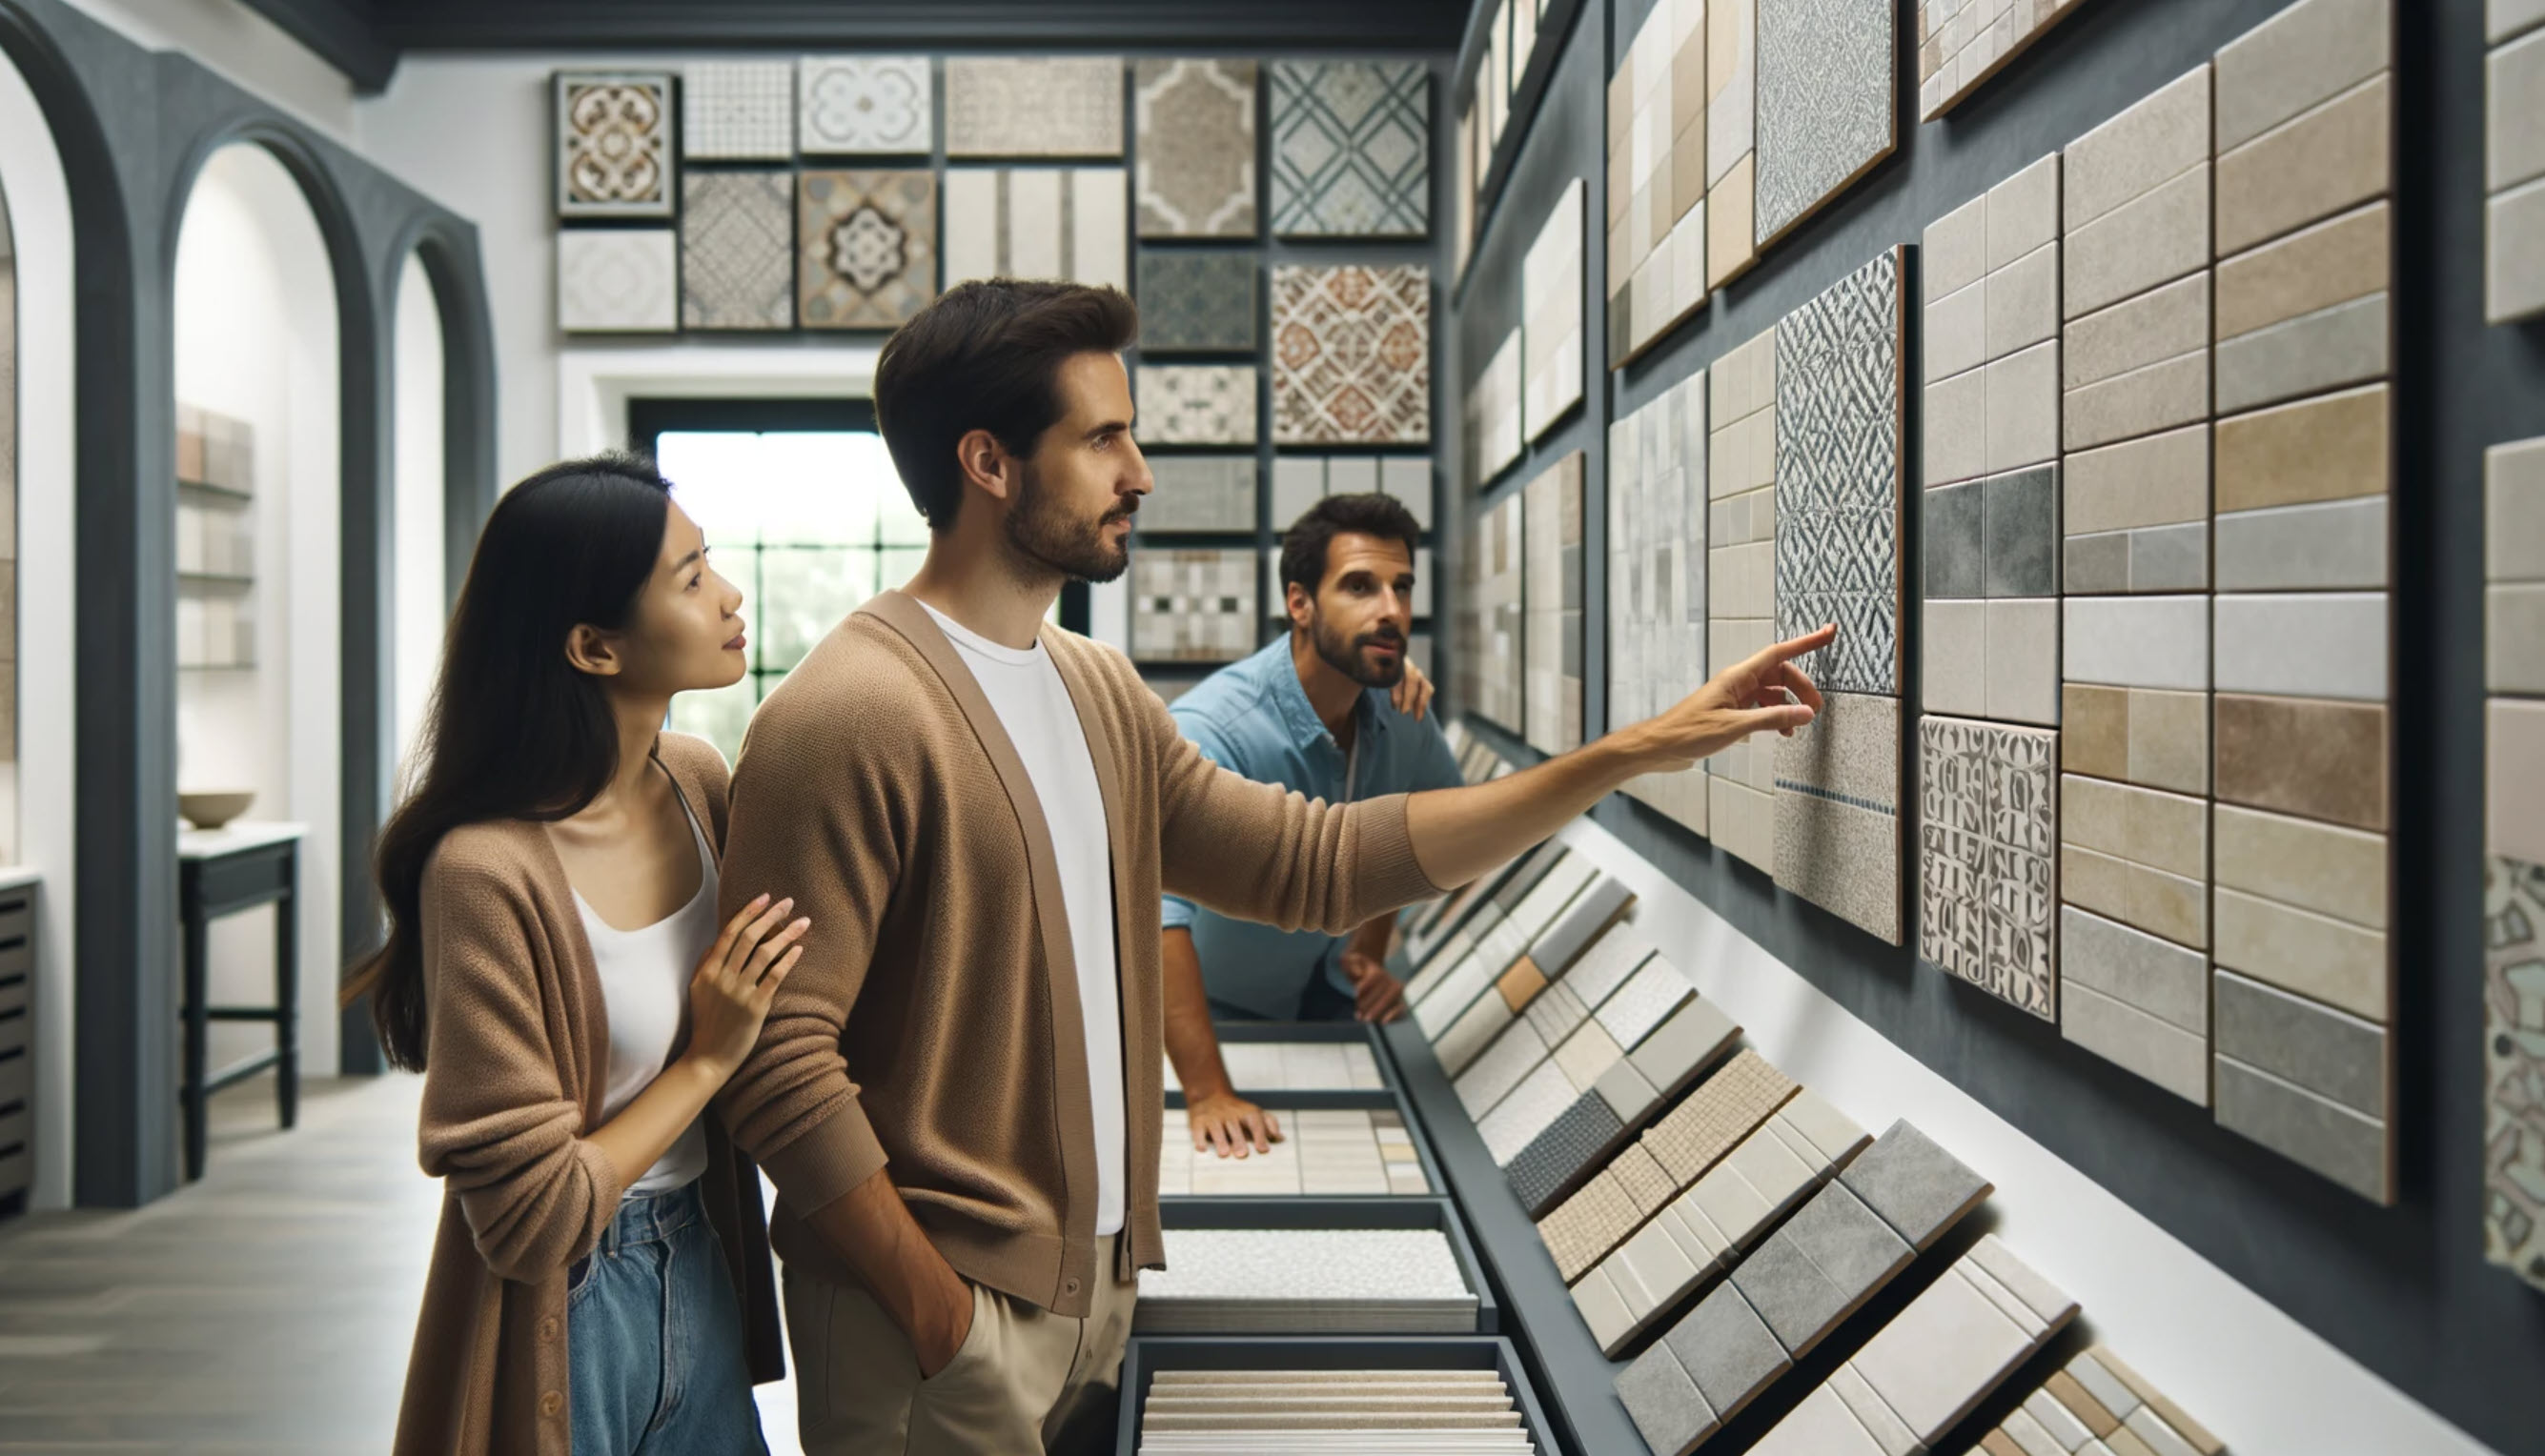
<point x="1075" y="548"/>
<point x="1344" y="654"/>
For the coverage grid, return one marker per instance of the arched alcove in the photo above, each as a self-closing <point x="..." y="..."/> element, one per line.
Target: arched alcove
<point x="419" y="497"/>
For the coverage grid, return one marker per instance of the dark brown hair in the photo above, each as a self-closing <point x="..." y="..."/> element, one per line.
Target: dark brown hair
<point x="985" y="355"/>
<point x="1303" y="547"/>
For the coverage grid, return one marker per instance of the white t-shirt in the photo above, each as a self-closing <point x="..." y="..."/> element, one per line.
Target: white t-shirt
<point x="646" y="995"/>
<point x="1034" y="707"/>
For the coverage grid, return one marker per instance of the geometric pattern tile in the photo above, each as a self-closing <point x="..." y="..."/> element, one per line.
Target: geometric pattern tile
<point x="614" y="139"/>
<point x="1351" y="355"/>
<point x="1044" y="106"/>
<point x="1741" y="579"/>
<point x="1192" y="606"/>
<point x="1038" y="223"/>
<point x="1954" y="54"/>
<point x="865" y="247"/>
<point x="1196" y="404"/>
<point x="620" y="281"/>
<point x="1828" y="79"/>
<point x="1551" y="304"/>
<point x="1837" y="811"/>
<point x="1657" y="163"/>
<point x="1986" y="872"/>
<point x="1196" y="134"/>
<point x="862" y="105"/>
<point x="1199" y="493"/>
<point x="1839" y="476"/>
<point x="2513" y="1007"/>
<point x="737" y="250"/>
<point x="1657" y="558"/>
<point x="1551" y="596"/>
<point x="1197" y="302"/>
<point x="1352" y="148"/>
<point x="1731" y="139"/>
<point x="738" y="110"/>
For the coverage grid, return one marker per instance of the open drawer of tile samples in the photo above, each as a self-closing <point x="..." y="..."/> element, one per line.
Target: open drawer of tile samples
<point x="1323" y="1153"/>
<point x="1297" y="1266"/>
<point x="1311" y="1059"/>
<point x="1278" y="1397"/>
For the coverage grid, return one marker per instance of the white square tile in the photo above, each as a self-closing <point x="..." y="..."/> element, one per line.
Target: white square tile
<point x="618" y="280"/>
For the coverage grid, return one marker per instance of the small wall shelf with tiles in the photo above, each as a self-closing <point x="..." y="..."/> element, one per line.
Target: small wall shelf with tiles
<point x="215" y="501"/>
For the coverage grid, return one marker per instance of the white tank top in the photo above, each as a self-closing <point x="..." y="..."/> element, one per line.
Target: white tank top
<point x="645" y="994"/>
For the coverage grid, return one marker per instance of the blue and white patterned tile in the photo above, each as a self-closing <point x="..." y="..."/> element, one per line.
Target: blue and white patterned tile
<point x="1352" y="148"/>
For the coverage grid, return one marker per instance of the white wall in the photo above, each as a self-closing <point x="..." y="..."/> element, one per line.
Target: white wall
<point x="416" y="513"/>
<point x="242" y="46"/>
<point x="256" y="340"/>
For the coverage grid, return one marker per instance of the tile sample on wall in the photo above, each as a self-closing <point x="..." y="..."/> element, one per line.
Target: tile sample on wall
<point x="1198" y="493"/>
<point x="2137" y="856"/>
<point x="1036" y="222"/>
<point x="1741" y="579"/>
<point x="1837" y="811"/>
<point x="735" y="111"/>
<point x="1551" y="597"/>
<point x="2138" y="1000"/>
<point x="1197" y="404"/>
<point x="614" y="143"/>
<point x="1731" y="139"/>
<point x="1495" y="549"/>
<point x="1301" y="481"/>
<point x="1657" y="558"/>
<point x="2135" y="215"/>
<point x="2515" y="164"/>
<point x="1963" y="43"/>
<point x="1351" y="148"/>
<point x="1193" y="123"/>
<point x="618" y="281"/>
<point x="737" y="250"/>
<point x="1838" y="432"/>
<point x="1493" y="414"/>
<point x="1197" y="302"/>
<point x="1462" y="197"/>
<point x="1551" y="308"/>
<point x="1657" y="164"/>
<point x="1351" y="355"/>
<point x="1042" y="106"/>
<point x="1827" y="109"/>
<point x="865" y="247"/>
<point x="864" y="105"/>
<point x="2513" y="905"/>
<point x="1192" y="606"/>
<point x="1987" y="875"/>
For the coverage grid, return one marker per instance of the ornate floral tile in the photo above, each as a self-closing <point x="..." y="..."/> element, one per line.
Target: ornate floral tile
<point x="1351" y="355"/>
<point x="613" y="137"/>
<point x="865" y="105"/>
<point x="1195" y="122"/>
<point x="867" y="244"/>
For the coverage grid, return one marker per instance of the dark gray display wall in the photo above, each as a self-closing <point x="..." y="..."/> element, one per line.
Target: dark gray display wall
<point x="2405" y="1290"/>
<point x="134" y="127"/>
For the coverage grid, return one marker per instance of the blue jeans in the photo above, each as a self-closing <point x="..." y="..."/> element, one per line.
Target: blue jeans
<point x="654" y="1335"/>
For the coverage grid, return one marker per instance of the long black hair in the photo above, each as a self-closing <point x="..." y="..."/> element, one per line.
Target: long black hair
<point x="514" y="731"/>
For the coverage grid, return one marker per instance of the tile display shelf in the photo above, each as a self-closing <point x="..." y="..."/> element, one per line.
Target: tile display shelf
<point x="215" y="540"/>
<point x="1437" y="1215"/>
<point x="1149" y="1356"/>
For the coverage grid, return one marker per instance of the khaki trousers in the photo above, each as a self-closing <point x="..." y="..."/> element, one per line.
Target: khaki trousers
<point x="1025" y="1379"/>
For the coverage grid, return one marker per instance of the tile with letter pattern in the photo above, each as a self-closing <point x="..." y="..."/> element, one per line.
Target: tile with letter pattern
<point x="1351" y="148"/>
<point x="1551" y="606"/>
<point x="738" y="111"/>
<point x="1036" y="222"/>
<point x="1197" y="302"/>
<point x="614" y="143"/>
<point x="618" y="281"/>
<point x="865" y="105"/>
<point x="1040" y="105"/>
<point x="1828" y="108"/>
<point x="1963" y="43"/>
<point x="1551" y="332"/>
<point x="1657" y="560"/>
<point x="1838" y="474"/>
<point x="1987" y="867"/>
<point x="1193" y="123"/>
<point x="865" y="247"/>
<point x="1351" y="355"/>
<point x="737" y="250"/>
<point x="1192" y="606"/>
<point x="1837" y="811"/>
<point x="1197" y="404"/>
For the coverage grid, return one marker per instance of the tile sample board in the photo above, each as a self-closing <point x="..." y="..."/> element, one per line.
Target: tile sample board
<point x="1493" y="413"/>
<point x="1301" y="481"/>
<point x="866" y="105"/>
<point x="1351" y="355"/>
<point x="1837" y="811"/>
<point x="618" y="281"/>
<point x="2513" y="898"/>
<point x="1657" y="175"/>
<point x="738" y="111"/>
<point x="1493" y="552"/>
<point x="1193" y="123"/>
<point x="1038" y="223"/>
<point x="1552" y="310"/>
<point x="1987" y="867"/>
<point x="1196" y="404"/>
<point x="1551" y="606"/>
<point x="1345" y="1152"/>
<point x="1197" y="302"/>
<point x="1257" y="1067"/>
<point x="614" y="143"/>
<point x="2513" y="157"/>
<point x="1731" y="139"/>
<point x="1962" y="43"/>
<point x="737" y="250"/>
<point x="1741" y="579"/>
<point x="2090" y="1399"/>
<point x="1838" y="432"/>
<point x="1294" y="1281"/>
<point x="1351" y="148"/>
<point x="1827" y="106"/>
<point x="1040" y="105"/>
<point x="1657" y="558"/>
<point x="1192" y="606"/>
<point x="1345" y="1412"/>
<point x="865" y="247"/>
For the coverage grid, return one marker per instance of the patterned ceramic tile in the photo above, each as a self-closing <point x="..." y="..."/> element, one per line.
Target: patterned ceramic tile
<point x="865" y="105"/>
<point x="1196" y="606"/>
<point x="1551" y="594"/>
<point x="1731" y="139"/>
<point x="1352" y="148"/>
<point x="1987" y="871"/>
<point x="1043" y="106"/>
<point x="1551" y="300"/>
<point x="1657" y="560"/>
<point x="1351" y="355"/>
<point x="614" y="139"/>
<point x="738" y="110"/>
<point x="1962" y="43"/>
<point x="737" y="250"/>
<point x="1038" y="223"/>
<point x="2513" y="1007"/>
<point x="865" y="247"/>
<point x="1839" y="476"/>
<point x="1656" y="224"/>
<point x="1194" y="123"/>
<point x="1197" y="302"/>
<point x="1196" y="404"/>
<point x="1199" y="493"/>
<point x="1837" y="811"/>
<point x="621" y="281"/>
<point x="1828" y="76"/>
<point x="1494" y="552"/>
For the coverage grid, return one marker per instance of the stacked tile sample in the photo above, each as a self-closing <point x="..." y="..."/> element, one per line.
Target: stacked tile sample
<point x="1042" y="105"/>
<point x="618" y="281"/>
<point x="1466" y="176"/>
<point x="1196" y="404"/>
<point x="1530" y="907"/>
<point x="1352" y="148"/>
<point x="2513" y="889"/>
<point x="1194" y="127"/>
<point x="1340" y="1153"/>
<point x="1341" y="1412"/>
<point x="1197" y="302"/>
<point x="1657" y="554"/>
<point x="614" y="139"/>
<point x="1255" y="1066"/>
<point x="1493" y="413"/>
<point x="1552" y="317"/>
<point x="1731" y="139"/>
<point x="738" y="111"/>
<point x="1038" y="223"/>
<point x="2095" y="1400"/>
<point x="1534" y="1026"/>
<point x="1192" y="606"/>
<point x="1963" y="43"/>
<point x="865" y="247"/>
<point x="1320" y="1281"/>
<point x="1827" y="106"/>
<point x="1987" y="871"/>
<point x="1351" y="355"/>
<point x="1657" y="175"/>
<point x="864" y="105"/>
<point x="737" y="250"/>
<point x="2513" y="157"/>
<point x="1492" y="624"/>
<point x="1551" y="606"/>
<point x="1741" y="579"/>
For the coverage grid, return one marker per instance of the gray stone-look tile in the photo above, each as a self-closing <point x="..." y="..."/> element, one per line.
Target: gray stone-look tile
<point x="1727" y="1350"/>
<point x="2312" y="548"/>
<point x="2023" y="302"/>
<point x="2335" y="961"/>
<point x="2321" y="644"/>
<point x="2097" y="564"/>
<point x="2333" y="157"/>
<point x="1955" y="420"/>
<point x="2155" y="481"/>
<point x="2153" y="327"/>
<point x="1797" y="1300"/>
<point x="1956" y="333"/>
<point x="1666" y="1408"/>
<point x="2145" y="242"/>
<point x="2023" y="213"/>
<point x="1846" y="1241"/>
<point x="2306" y="55"/>
<point x="2318" y="1048"/>
<point x="2169" y="558"/>
<point x="2147" y="972"/>
<point x="2152" y="143"/>
<point x="2023" y="414"/>
<point x="2023" y="533"/>
<point x="1956" y="535"/>
<point x="1955" y="254"/>
<point x="2312" y="1131"/>
<point x="2143" y="401"/>
<point x="1918" y="1187"/>
<point x="2136" y="641"/>
<point x="2346" y="344"/>
<point x="2122" y="1034"/>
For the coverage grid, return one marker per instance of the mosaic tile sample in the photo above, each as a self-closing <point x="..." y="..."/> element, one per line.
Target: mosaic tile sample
<point x="1741" y="579"/>
<point x="1731" y="138"/>
<point x="1199" y="493"/>
<point x="1838" y="478"/>
<point x="621" y="281"/>
<point x="1302" y="1280"/>
<point x="1346" y="1153"/>
<point x="2090" y="1399"/>
<point x="1034" y="222"/>
<point x="2515" y="166"/>
<point x="2513" y="1007"/>
<point x="1551" y="606"/>
<point x="1828" y="76"/>
<point x="1657" y="162"/>
<point x="614" y="139"/>
<point x="1986" y="876"/>
<point x="1352" y="148"/>
<point x="1551" y="306"/>
<point x="1044" y="106"/>
<point x="1555" y="1161"/>
<point x="1293" y="1066"/>
<point x="1194" y="123"/>
<point x="1657" y="558"/>
<point x="1957" y="1343"/>
<point x="1195" y="606"/>
<point x="865" y="105"/>
<point x="1837" y="811"/>
<point x="1494" y="549"/>
<point x="1963" y="43"/>
<point x="1257" y="1410"/>
<point x="1351" y="355"/>
<point x="737" y="250"/>
<point x="1196" y="404"/>
<point x="738" y="111"/>
<point x="1197" y="302"/>
<point x="1713" y="1119"/>
<point x="865" y="248"/>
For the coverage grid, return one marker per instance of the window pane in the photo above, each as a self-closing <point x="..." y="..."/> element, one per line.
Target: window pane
<point x="718" y="717"/>
<point x="806" y="591"/>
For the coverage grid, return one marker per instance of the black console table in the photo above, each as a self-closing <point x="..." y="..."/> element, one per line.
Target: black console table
<point x="223" y="871"/>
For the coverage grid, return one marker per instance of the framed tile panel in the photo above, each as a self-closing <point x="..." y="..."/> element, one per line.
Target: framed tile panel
<point x="1193" y="123"/>
<point x="1657" y="586"/>
<point x="1551" y="594"/>
<point x="738" y="111"/>
<point x="865" y="247"/>
<point x="737" y="250"/>
<point x="1042" y="106"/>
<point x="1352" y="147"/>
<point x="1828" y="103"/>
<point x="1551" y="283"/>
<point x="1838" y="432"/>
<point x="1351" y="355"/>
<point x="614" y="143"/>
<point x="1038" y="223"/>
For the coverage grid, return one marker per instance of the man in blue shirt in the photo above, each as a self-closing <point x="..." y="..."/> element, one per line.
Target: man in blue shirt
<point x="1311" y="713"/>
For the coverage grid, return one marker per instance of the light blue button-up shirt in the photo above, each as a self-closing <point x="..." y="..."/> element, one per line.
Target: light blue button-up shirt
<point x="1254" y="717"/>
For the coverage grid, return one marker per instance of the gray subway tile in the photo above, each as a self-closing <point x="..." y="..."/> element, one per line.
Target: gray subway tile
<point x="1918" y="1187"/>
<point x="2320" y="547"/>
<point x="1727" y="1350"/>
<point x="1955" y="525"/>
<point x="2346" y="344"/>
<point x="2315" y="1132"/>
<point x="2328" y="1053"/>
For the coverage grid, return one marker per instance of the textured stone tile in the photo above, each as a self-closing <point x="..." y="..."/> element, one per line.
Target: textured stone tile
<point x="2023" y="533"/>
<point x="1956" y="429"/>
<point x="1727" y="1350"/>
<point x="2312" y="548"/>
<point x="2023" y="213"/>
<point x="1713" y="1119"/>
<point x="1825" y="102"/>
<point x="1956" y="669"/>
<point x="1956" y="254"/>
<point x="2023" y="302"/>
<point x="2024" y="408"/>
<point x="2514" y="280"/>
<point x="2317" y="644"/>
<point x="1647" y="1184"/>
<point x="2314" y="758"/>
<point x="2137" y="969"/>
<point x="2318" y="1048"/>
<point x="2346" y="344"/>
<point x="2156" y="326"/>
<point x="1196" y="404"/>
<point x="1194" y="606"/>
<point x="862" y="105"/>
<point x="1848" y="1243"/>
<point x="1198" y="303"/>
<point x="2315" y="1132"/>
<point x="1666" y="1408"/>
<point x="2023" y="661"/>
<point x="2149" y="144"/>
<point x="2297" y="59"/>
<point x="1194" y="120"/>
<point x="1199" y="493"/>
<point x="2127" y="1037"/>
<point x="1956" y="333"/>
<point x="2144" y="242"/>
<point x="1838" y="475"/>
<point x="2158" y="480"/>
<point x="2320" y="867"/>
<point x="2161" y="396"/>
<point x="1955" y="521"/>
<point x="1585" y="1226"/>
<point x="2312" y="269"/>
<point x="2330" y="960"/>
<point x="1919" y="1190"/>
<point x="1838" y="818"/>
<point x="1790" y="1294"/>
<point x="1351" y="148"/>
<point x="2332" y="447"/>
<point x="1558" y="1159"/>
<point x="2137" y="641"/>
<point x="2332" y="158"/>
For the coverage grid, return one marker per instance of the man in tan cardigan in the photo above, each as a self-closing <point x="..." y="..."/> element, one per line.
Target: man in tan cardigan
<point x="958" y="1092"/>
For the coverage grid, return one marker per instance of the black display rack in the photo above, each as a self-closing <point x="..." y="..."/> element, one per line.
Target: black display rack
<point x="1148" y="1354"/>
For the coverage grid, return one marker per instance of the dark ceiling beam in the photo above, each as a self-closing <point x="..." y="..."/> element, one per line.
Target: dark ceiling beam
<point x="343" y="33"/>
<point x="936" y="24"/>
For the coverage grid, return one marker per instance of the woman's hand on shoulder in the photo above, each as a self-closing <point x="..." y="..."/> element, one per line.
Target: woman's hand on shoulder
<point x="730" y="995"/>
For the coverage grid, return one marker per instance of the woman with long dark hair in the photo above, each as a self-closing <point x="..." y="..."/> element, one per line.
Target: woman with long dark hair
<point x="601" y="1283"/>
